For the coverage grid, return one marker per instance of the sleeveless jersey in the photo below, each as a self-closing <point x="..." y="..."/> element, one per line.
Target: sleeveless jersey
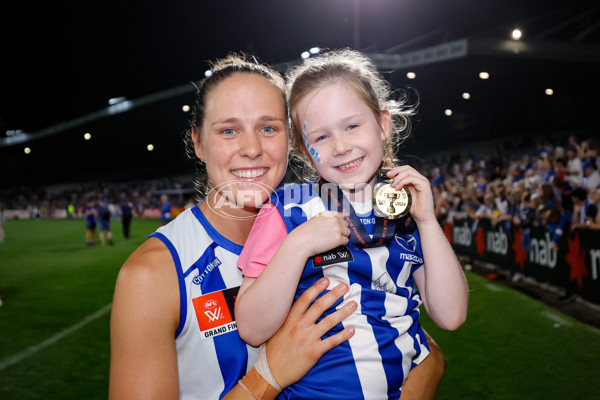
<point x="211" y="357"/>
<point x="389" y="340"/>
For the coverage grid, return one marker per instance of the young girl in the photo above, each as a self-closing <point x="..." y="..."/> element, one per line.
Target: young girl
<point x="344" y="122"/>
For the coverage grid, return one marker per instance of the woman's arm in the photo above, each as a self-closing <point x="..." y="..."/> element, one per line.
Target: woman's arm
<point x="144" y="318"/>
<point x="423" y="380"/>
<point x="264" y="302"/>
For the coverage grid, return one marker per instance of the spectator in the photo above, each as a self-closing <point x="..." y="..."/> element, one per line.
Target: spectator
<point x="589" y="151"/>
<point x="549" y="208"/>
<point x="574" y="168"/>
<point x="525" y="217"/>
<point x="594" y="215"/>
<point x="591" y="176"/>
<point x="584" y="209"/>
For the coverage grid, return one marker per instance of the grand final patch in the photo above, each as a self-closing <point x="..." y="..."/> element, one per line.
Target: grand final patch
<point x="215" y="312"/>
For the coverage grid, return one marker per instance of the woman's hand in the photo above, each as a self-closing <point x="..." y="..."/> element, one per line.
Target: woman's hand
<point x="422" y="208"/>
<point x="297" y="345"/>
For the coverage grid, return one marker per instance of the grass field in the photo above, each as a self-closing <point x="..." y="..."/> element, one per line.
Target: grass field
<point x="54" y="326"/>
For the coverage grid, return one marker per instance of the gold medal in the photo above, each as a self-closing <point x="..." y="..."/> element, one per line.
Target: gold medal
<point x="391" y="203"/>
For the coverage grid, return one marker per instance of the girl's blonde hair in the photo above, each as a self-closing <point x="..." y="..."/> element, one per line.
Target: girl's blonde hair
<point x="360" y="73"/>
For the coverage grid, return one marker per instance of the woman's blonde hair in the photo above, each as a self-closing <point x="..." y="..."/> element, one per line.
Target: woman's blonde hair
<point x="360" y="73"/>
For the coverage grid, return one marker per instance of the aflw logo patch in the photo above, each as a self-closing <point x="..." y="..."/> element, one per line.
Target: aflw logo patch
<point x="215" y="312"/>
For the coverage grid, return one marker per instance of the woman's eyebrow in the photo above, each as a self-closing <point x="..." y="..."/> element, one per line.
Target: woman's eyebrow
<point x="225" y="121"/>
<point x="271" y="118"/>
<point x="235" y="120"/>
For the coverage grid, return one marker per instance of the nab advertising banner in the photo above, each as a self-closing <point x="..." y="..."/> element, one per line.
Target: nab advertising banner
<point x="574" y="264"/>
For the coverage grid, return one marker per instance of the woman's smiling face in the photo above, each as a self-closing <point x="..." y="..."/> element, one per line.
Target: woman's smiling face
<point x="244" y="139"/>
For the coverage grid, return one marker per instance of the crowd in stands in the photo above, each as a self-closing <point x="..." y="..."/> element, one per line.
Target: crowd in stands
<point x="555" y="186"/>
<point x="70" y="201"/>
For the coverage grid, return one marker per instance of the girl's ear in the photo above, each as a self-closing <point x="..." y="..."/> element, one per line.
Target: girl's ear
<point x="385" y="122"/>
<point x="198" y="146"/>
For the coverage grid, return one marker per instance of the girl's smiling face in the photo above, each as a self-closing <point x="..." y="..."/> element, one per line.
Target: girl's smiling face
<point x="343" y="136"/>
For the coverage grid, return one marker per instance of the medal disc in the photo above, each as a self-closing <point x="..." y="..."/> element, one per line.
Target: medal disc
<point x="391" y="203"/>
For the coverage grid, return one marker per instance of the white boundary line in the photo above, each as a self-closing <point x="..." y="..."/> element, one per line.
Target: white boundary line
<point x="494" y="288"/>
<point x="7" y="362"/>
<point x="556" y="318"/>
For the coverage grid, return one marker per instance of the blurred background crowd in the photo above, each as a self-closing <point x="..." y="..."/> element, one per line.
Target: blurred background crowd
<point x="554" y="185"/>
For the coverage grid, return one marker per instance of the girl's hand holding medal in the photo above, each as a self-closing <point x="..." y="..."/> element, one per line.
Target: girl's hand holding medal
<point x="420" y="197"/>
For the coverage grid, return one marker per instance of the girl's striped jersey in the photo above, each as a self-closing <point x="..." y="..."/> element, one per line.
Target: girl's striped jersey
<point x="211" y="357"/>
<point x="389" y="340"/>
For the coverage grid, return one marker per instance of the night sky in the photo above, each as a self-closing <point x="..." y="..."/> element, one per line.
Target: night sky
<point x="65" y="59"/>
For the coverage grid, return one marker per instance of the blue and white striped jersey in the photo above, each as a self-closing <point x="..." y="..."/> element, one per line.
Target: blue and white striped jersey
<point x="211" y="357"/>
<point x="389" y="340"/>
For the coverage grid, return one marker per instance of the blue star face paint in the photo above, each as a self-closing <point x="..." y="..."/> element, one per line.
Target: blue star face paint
<point x="311" y="150"/>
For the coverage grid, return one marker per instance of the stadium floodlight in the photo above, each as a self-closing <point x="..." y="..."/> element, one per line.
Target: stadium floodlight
<point x="207" y="73"/>
<point x="87" y="136"/>
<point x="185" y="108"/>
<point x="119" y="107"/>
<point x="549" y="92"/>
<point x="315" y="50"/>
<point x="27" y="150"/>
<point x="448" y="112"/>
<point x="305" y="55"/>
<point x="466" y="95"/>
<point x="14" y="132"/>
<point x="516" y="34"/>
<point x="150" y="147"/>
<point x="116" y="100"/>
<point x="484" y="75"/>
<point x="411" y="75"/>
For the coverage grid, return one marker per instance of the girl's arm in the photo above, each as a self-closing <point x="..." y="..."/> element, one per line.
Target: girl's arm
<point x="441" y="282"/>
<point x="297" y="346"/>
<point x="264" y="302"/>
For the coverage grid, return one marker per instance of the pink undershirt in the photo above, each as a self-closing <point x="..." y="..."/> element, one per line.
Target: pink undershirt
<point x="266" y="235"/>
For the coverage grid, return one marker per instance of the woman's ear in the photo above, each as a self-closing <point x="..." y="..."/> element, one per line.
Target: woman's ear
<point x="198" y="146"/>
<point x="385" y="122"/>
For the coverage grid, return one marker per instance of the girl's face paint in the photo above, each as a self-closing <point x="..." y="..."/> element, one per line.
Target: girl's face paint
<point x="311" y="150"/>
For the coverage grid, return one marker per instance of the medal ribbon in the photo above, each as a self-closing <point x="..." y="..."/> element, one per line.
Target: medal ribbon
<point x="384" y="228"/>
